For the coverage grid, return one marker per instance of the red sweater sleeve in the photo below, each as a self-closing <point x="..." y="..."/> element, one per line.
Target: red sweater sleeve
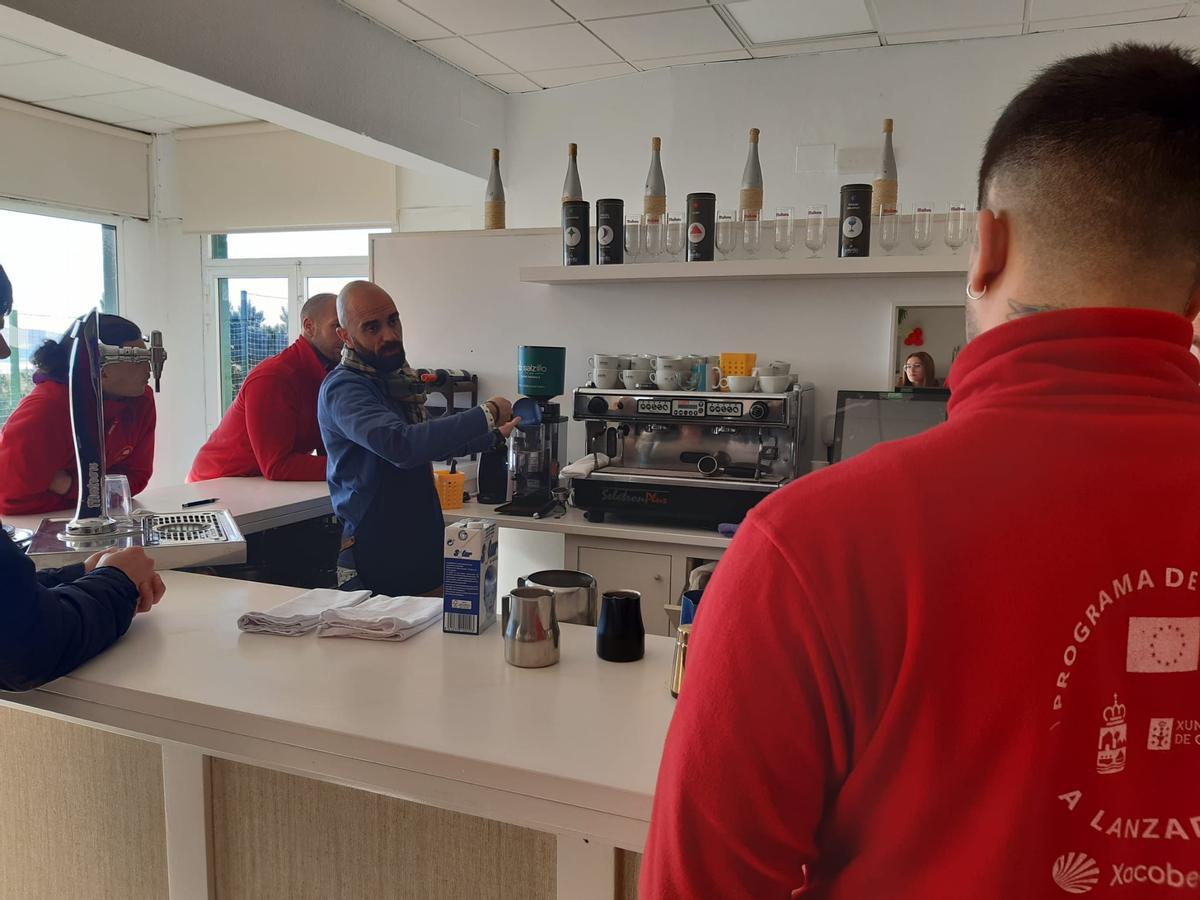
<point x="271" y="425"/>
<point x="758" y="741"/>
<point x="32" y="448"/>
<point x="139" y="465"/>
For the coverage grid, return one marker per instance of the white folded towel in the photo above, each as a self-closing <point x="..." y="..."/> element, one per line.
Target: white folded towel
<point x="299" y="615"/>
<point x="585" y="465"/>
<point x="381" y="618"/>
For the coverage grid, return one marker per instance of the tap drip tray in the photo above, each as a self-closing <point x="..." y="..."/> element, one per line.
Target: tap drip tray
<point x="174" y="540"/>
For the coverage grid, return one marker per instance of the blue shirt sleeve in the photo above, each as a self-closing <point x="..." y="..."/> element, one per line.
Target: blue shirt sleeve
<point x="355" y="409"/>
<point x="45" y="632"/>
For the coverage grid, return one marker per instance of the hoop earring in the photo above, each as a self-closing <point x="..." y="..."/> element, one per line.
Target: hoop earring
<point x="976" y="297"/>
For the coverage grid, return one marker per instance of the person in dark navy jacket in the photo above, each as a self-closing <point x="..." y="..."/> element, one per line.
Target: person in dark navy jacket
<point x="52" y="621"/>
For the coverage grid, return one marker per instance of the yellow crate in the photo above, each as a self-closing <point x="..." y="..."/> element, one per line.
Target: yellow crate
<point x="738" y="363"/>
<point x="450" y="488"/>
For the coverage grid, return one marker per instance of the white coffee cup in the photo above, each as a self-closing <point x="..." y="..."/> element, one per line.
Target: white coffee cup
<point x="666" y="379"/>
<point x="631" y="378"/>
<point x="775" y="367"/>
<point x="641" y="363"/>
<point x="740" y="384"/>
<point x="673" y="363"/>
<point x="774" y="384"/>
<point x="606" y="379"/>
<point x="605" y="361"/>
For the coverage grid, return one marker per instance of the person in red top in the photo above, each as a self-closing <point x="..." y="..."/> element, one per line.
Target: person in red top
<point x="1009" y="707"/>
<point x="37" y="450"/>
<point x="271" y="429"/>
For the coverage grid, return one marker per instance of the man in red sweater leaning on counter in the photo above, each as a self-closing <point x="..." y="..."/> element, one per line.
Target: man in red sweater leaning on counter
<point x="1007" y="708"/>
<point x="271" y="429"/>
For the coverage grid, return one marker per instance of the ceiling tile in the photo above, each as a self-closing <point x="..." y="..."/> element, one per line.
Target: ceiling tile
<point x="463" y="53"/>
<point x="154" y="126"/>
<point x="557" y="47"/>
<point x="667" y="34"/>
<point x="402" y="19"/>
<point x="954" y="34"/>
<point x="854" y="42"/>
<point x="216" y="117"/>
<point x="607" y="9"/>
<point x="478" y="16"/>
<point x="907" y="16"/>
<point x="691" y="59"/>
<point x="558" y="77"/>
<point x="157" y="103"/>
<point x="12" y="52"/>
<point x="57" y="78"/>
<point x="765" y="21"/>
<point x="93" y="108"/>
<point x="512" y="84"/>
<point x="1115" y="17"/>
<point x="1040" y="10"/>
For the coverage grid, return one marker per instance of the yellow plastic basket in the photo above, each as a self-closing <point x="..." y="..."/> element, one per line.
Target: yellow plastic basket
<point x="738" y="363"/>
<point x="450" y="488"/>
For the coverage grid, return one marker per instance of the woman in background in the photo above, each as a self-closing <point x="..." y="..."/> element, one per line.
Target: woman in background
<point x="919" y="371"/>
<point x="37" y="449"/>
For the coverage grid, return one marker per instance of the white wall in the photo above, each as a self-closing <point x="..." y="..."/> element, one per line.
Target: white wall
<point x="944" y="98"/>
<point x="462" y="306"/>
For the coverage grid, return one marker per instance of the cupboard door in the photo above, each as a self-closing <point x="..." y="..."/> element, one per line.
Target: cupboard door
<point x="647" y="573"/>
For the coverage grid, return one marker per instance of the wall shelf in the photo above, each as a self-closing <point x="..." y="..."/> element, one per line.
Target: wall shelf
<point x="749" y="269"/>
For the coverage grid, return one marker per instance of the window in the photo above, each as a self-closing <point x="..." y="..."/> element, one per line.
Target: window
<point x="60" y="268"/>
<point x="260" y="280"/>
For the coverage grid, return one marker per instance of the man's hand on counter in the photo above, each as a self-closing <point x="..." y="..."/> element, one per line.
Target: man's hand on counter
<point x="138" y="568"/>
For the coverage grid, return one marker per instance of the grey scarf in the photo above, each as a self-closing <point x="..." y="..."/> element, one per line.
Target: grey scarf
<point x="403" y="385"/>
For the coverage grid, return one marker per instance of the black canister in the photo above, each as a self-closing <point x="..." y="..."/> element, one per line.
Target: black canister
<point x="610" y="242"/>
<point x="701" y="224"/>
<point x="575" y="232"/>
<point x="854" y="226"/>
<point x="620" y="634"/>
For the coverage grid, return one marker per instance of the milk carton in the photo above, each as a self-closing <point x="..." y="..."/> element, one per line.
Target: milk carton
<point x="469" y="575"/>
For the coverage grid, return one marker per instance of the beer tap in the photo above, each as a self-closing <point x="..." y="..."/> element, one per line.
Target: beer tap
<point x="88" y="358"/>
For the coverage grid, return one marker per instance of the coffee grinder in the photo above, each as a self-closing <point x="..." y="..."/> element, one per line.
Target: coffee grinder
<point x="536" y="446"/>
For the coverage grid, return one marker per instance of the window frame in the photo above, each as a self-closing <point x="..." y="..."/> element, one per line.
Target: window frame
<point x="112" y="220"/>
<point x="295" y="269"/>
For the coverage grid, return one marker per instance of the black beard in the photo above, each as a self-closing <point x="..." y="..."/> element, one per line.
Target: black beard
<point x="384" y="365"/>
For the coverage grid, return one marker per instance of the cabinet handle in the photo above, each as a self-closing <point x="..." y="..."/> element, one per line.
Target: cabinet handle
<point x="658" y="578"/>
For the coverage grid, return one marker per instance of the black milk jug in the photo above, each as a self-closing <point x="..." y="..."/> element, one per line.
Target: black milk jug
<point x="620" y="634"/>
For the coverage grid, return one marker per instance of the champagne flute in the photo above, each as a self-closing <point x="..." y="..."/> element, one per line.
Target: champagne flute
<point x="726" y="237"/>
<point x="814" y="229"/>
<point x="633" y="236"/>
<point x="922" y="226"/>
<point x="751" y="230"/>
<point x="785" y="230"/>
<point x="957" y="226"/>
<point x="675" y="233"/>
<point x="655" y="228"/>
<point x="889" y="228"/>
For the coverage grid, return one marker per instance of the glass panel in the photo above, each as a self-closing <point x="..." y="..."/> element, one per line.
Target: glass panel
<point x="60" y="269"/>
<point x="325" y="284"/>
<point x="293" y="244"/>
<point x="254" y="326"/>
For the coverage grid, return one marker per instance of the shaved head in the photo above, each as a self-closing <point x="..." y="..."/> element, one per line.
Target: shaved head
<point x="319" y="325"/>
<point x="314" y="306"/>
<point x="370" y="325"/>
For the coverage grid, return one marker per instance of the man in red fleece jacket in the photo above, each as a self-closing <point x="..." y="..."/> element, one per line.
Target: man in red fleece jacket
<point x="271" y="428"/>
<point x="1008" y="708"/>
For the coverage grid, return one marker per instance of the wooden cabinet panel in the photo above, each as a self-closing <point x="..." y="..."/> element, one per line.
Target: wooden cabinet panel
<point x="277" y="835"/>
<point x="81" y="812"/>
<point x="647" y="573"/>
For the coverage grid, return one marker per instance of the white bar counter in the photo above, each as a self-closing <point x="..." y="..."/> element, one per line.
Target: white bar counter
<point x="572" y="750"/>
<point x="256" y="504"/>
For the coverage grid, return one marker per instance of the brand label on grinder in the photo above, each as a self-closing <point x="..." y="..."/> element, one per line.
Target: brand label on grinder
<point x="604" y="235"/>
<point x="696" y="233"/>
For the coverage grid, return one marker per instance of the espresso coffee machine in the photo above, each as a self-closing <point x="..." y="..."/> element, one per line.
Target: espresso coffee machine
<point x="186" y="538"/>
<point x="537" y="445"/>
<point x="691" y="456"/>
